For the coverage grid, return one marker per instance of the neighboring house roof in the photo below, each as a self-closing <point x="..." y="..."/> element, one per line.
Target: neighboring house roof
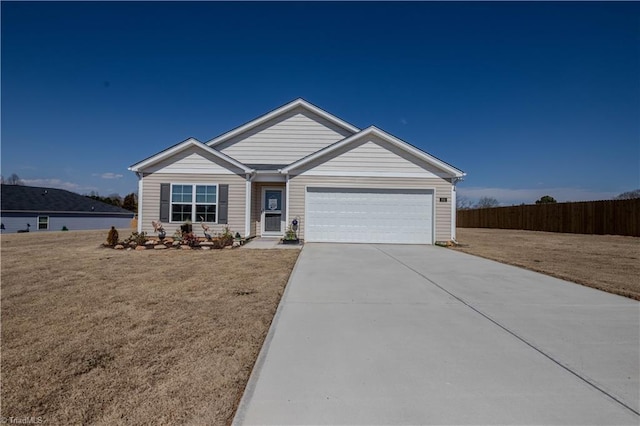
<point x="20" y="198"/>
<point x="280" y="111"/>
<point x="191" y="142"/>
<point x="374" y="131"/>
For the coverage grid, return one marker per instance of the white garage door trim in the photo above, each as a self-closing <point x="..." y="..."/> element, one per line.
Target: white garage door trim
<point x="369" y="215"/>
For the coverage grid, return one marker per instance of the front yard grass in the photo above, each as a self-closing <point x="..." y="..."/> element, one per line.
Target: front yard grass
<point x="606" y="262"/>
<point x="101" y="336"/>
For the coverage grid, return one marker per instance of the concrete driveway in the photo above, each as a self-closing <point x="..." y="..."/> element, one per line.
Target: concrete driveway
<point x="392" y="334"/>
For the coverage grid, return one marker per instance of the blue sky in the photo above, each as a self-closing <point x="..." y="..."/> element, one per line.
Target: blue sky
<point x="528" y="99"/>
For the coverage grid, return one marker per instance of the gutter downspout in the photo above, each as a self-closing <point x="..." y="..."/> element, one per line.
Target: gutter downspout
<point x="454" y="207"/>
<point x="287" y="221"/>
<point x="140" y="201"/>
<point x="286" y="197"/>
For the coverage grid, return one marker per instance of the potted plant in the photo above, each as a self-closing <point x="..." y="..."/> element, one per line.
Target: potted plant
<point x="158" y="228"/>
<point x="291" y="236"/>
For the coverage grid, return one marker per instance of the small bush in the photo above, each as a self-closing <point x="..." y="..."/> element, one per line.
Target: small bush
<point x="187" y="228"/>
<point x="190" y="239"/>
<point x="112" y="236"/>
<point x="226" y="238"/>
<point x="138" y="238"/>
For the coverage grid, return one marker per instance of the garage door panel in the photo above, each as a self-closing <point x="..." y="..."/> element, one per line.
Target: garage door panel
<point x="369" y="215"/>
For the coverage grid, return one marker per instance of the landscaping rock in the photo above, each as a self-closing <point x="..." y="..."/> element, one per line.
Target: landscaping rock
<point x="185" y="247"/>
<point x="119" y="247"/>
<point x="206" y="244"/>
<point x="205" y="247"/>
<point x="141" y="248"/>
<point x="160" y="247"/>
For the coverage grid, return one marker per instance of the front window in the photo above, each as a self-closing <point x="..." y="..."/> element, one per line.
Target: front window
<point x="201" y="207"/>
<point x="43" y="222"/>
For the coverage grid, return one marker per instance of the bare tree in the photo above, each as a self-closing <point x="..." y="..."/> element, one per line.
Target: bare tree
<point x="629" y="194"/>
<point x="116" y="199"/>
<point x="487" y="202"/>
<point x="463" y="203"/>
<point x="14" y="179"/>
<point x="130" y="202"/>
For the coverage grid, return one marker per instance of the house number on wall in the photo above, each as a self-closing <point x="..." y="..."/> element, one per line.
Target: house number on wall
<point x="443" y="200"/>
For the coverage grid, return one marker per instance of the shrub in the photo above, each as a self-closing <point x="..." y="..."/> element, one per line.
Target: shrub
<point x="190" y="239"/>
<point x="138" y="238"/>
<point x="187" y="228"/>
<point x="290" y="235"/>
<point x="226" y="238"/>
<point x="112" y="236"/>
<point x="218" y="243"/>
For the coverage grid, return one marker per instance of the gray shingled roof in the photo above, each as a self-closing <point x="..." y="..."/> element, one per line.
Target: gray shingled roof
<point x="32" y="198"/>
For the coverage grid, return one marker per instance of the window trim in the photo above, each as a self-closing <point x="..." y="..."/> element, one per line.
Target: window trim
<point x="48" y="221"/>
<point x="193" y="201"/>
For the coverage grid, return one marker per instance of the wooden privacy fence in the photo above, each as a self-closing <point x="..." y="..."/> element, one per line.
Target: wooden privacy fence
<point x="616" y="217"/>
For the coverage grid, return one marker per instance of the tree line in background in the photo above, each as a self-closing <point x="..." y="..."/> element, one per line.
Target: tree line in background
<point x="129" y="202"/>
<point x="464" y="203"/>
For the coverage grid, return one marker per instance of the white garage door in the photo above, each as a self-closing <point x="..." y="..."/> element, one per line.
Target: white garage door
<point x="369" y="215"/>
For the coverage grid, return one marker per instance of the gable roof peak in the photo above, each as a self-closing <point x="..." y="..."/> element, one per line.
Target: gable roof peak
<point x="416" y="152"/>
<point x="299" y="102"/>
<point x="191" y="141"/>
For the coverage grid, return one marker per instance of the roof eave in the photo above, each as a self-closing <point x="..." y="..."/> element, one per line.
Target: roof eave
<point x="385" y="136"/>
<point x="419" y="153"/>
<point x="140" y="166"/>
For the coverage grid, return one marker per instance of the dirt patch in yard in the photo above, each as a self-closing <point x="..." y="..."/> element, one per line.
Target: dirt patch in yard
<point x="606" y="262"/>
<point x="94" y="335"/>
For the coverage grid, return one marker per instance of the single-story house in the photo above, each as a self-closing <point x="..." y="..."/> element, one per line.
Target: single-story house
<point x="300" y="164"/>
<point x="48" y="209"/>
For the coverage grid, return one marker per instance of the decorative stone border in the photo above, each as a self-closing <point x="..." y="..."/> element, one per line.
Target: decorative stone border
<point x="170" y="243"/>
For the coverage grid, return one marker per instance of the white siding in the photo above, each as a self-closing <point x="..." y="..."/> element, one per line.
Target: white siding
<point x="284" y="139"/>
<point x="442" y="188"/>
<point x="151" y="202"/>
<point x="193" y="161"/>
<point x="372" y="157"/>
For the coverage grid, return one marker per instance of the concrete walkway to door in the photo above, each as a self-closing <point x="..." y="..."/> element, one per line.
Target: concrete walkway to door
<point x="393" y="334"/>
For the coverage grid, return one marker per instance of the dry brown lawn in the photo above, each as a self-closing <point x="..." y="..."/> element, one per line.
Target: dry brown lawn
<point x="606" y="262"/>
<point x="94" y="335"/>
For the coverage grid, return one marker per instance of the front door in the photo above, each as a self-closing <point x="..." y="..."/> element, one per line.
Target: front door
<point x="272" y="211"/>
